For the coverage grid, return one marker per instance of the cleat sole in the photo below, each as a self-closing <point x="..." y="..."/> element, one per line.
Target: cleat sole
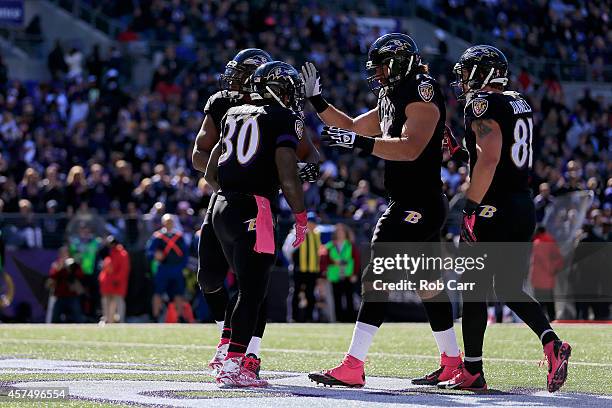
<point x="420" y="381"/>
<point x="328" y="381"/>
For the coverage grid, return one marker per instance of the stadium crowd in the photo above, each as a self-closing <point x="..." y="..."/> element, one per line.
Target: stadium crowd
<point x="568" y="31"/>
<point x="82" y="143"/>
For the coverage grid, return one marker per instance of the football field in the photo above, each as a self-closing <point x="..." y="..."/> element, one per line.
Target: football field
<point x="165" y="365"/>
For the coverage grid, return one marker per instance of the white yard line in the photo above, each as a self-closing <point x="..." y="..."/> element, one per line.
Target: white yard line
<point x="278" y="350"/>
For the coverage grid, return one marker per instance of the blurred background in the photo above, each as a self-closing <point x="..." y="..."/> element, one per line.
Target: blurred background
<point x="101" y="100"/>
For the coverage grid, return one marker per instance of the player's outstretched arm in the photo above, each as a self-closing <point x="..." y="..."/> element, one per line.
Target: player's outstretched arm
<point x="366" y="124"/>
<point x="421" y="121"/>
<point x="489" y="140"/>
<point x="286" y="162"/>
<point x="212" y="169"/>
<point x="206" y="139"/>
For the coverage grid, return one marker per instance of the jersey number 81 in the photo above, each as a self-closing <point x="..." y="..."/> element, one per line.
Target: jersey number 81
<point x="247" y="141"/>
<point x="522" y="151"/>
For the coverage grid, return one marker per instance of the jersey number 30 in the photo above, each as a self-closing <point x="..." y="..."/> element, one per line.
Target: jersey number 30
<point x="247" y="140"/>
<point x="522" y="152"/>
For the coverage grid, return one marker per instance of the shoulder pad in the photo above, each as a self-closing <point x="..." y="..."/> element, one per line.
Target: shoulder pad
<point x="424" y="77"/>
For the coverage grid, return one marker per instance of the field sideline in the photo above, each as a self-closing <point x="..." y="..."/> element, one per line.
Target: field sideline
<point x="177" y="354"/>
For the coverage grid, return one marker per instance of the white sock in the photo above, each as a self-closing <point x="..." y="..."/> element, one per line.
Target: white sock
<point x="447" y="342"/>
<point x="254" y="346"/>
<point x="220" y="325"/>
<point x="363" y="335"/>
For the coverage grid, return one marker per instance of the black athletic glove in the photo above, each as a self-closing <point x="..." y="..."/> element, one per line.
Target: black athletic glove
<point x="335" y="136"/>
<point x="308" y="172"/>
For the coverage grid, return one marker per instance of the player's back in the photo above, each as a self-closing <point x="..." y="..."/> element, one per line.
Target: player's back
<point x="514" y="116"/>
<point x="251" y="134"/>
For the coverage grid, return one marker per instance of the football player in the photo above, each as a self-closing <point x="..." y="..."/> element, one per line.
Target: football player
<point x="410" y="116"/>
<point x="235" y="91"/>
<point x="499" y="208"/>
<point x="254" y="158"/>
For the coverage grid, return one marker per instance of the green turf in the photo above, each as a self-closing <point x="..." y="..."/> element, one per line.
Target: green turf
<point x="399" y="350"/>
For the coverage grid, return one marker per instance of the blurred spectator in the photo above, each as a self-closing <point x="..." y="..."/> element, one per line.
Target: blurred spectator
<point x="74" y="60"/>
<point x="84" y="247"/>
<point x="98" y="188"/>
<point x="77" y="191"/>
<point x="170" y="254"/>
<point x="95" y="63"/>
<point x="53" y="226"/>
<point x="34" y="30"/>
<point x="305" y="265"/>
<point x="339" y="266"/>
<point x="56" y="62"/>
<point x="66" y="285"/>
<point x="546" y="263"/>
<point x="28" y="226"/>
<point x="113" y="279"/>
<point x="589" y="282"/>
<point x="541" y="201"/>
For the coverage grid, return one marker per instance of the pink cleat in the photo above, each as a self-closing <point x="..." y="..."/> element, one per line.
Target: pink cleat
<point x="448" y="365"/>
<point x="557" y="353"/>
<point x="463" y="380"/>
<point x="253" y="363"/>
<point x="235" y="374"/>
<point x="350" y="373"/>
<point x="216" y="362"/>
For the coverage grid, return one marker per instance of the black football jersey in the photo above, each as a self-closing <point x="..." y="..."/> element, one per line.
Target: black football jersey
<point x="418" y="179"/>
<point x="515" y="119"/>
<point x="251" y="134"/>
<point x="219" y="103"/>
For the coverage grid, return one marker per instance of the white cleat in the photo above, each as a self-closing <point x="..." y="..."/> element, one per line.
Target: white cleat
<point x="235" y="374"/>
<point x="216" y="362"/>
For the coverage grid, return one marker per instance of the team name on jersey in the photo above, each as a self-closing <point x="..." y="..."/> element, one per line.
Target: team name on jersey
<point x="246" y="110"/>
<point x="520" y="106"/>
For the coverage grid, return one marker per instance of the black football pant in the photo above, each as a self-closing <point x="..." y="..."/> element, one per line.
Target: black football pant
<point x="343" y="289"/>
<point x="308" y="282"/>
<point x="398" y="224"/>
<point x="212" y="270"/>
<point x="513" y="221"/>
<point x="232" y="216"/>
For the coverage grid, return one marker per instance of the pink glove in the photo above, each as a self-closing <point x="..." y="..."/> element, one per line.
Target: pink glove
<point x="300" y="228"/>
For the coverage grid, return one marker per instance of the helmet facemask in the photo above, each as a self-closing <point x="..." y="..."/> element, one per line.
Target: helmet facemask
<point x="290" y="95"/>
<point x="384" y="75"/>
<point x="473" y="78"/>
<point x="237" y="77"/>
